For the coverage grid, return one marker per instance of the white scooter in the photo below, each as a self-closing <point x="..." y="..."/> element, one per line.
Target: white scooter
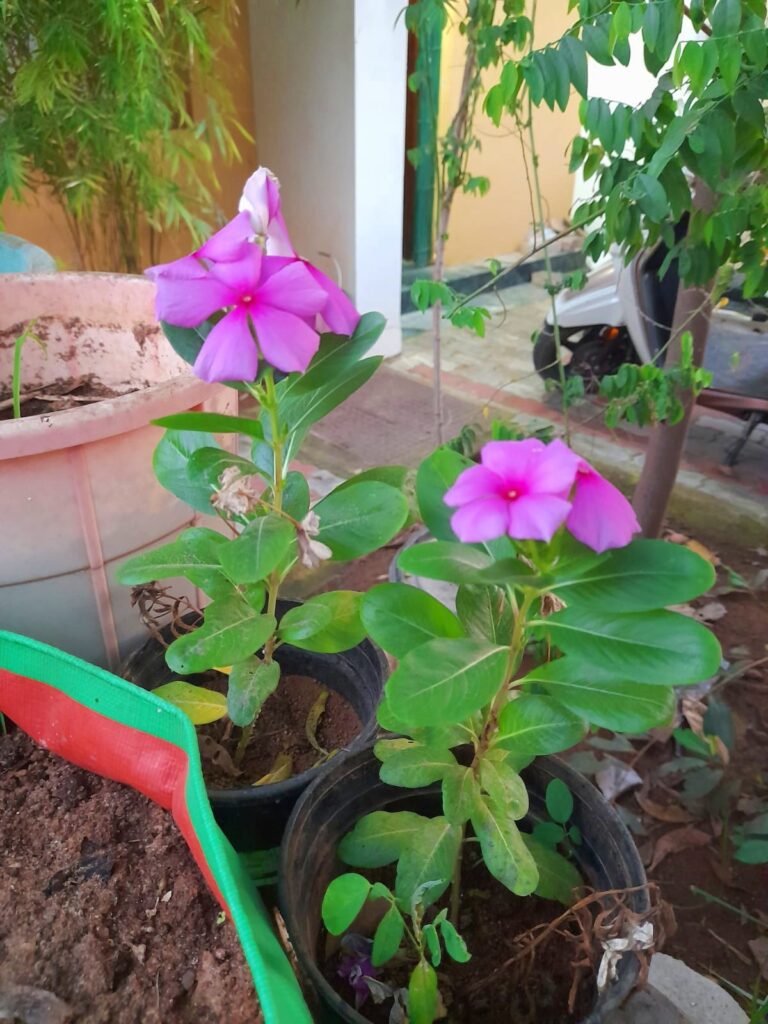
<point x="624" y="314"/>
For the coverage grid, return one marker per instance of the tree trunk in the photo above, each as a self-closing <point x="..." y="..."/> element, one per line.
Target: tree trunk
<point x="693" y="311"/>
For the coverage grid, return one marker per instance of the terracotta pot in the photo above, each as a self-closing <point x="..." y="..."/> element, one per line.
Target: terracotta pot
<point x="78" y="494"/>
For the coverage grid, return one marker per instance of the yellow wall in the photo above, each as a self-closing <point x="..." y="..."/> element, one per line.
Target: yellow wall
<point x="40" y="220"/>
<point x="500" y="221"/>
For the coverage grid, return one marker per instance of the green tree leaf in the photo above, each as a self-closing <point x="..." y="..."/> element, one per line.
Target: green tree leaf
<point x="195" y="554"/>
<point x="428" y="857"/>
<point x="605" y="703"/>
<point x="211" y="422"/>
<point x="380" y="838"/>
<point x="505" y="854"/>
<point x="432" y="940"/>
<point x="485" y="612"/>
<point x="572" y="50"/>
<point x="343" y="901"/>
<point x="434" y="477"/>
<point x="460" y="794"/>
<point x="259" y="549"/>
<point x="359" y="518"/>
<point x="343" y="629"/>
<point x="422" y="994"/>
<point x="416" y="765"/>
<point x="302" y="622"/>
<point x="198" y="703"/>
<point x="455" y="946"/>
<point x="559" y="801"/>
<point x="444" y="681"/>
<point x="504" y="786"/>
<point x="558" y="876"/>
<point x="232" y="632"/>
<point x="171" y="466"/>
<point x="726" y="17"/>
<point x="387" y="937"/>
<point x="646" y="574"/>
<point x="645" y="647"/>
<point x="250" y="683"/>
<point x="400" y="617"/>
<point x="532" y="724"/>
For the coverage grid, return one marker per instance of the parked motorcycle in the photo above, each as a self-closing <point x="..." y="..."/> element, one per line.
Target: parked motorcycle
<point x="624" y="314"/>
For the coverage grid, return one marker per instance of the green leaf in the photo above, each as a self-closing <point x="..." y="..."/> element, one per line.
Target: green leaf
<point x="171" y="466"/>
<point x="605" y="703"/>
<point x="434" y="477"/>
<point x="212" y="422"/>
<point x="651" y="26"/>
<point x="195" y="554"/>
<point x="532" y="724"/>
<point x="343" y="901"/>
<point x="646" y="574"/>
<point x="250" y="683"/>
<point x="400" y="617"/>
<point x="558" y="876"/>
<point x="302" y="622"/>
<point x="422" y="994"/>
<point x="360" y="518"/>
<point x="504" y="786"/>
<point x="259" y="549"/>
<point x="433" y="944"/>
<point x="505" y="854"/>
<point x="575" y="56"/>
<point x="646" y="647"/>
<point x="380" y="838"/>
<point x="416" y="765"/>
<point x="559" y="801"/>
<point x="445" y="560"/>
<point x="651" y="197"/>
<point x="343" y="629"/>
<point x="296" y="496"/>
<point x="428" y="857"/>
<point x="460" y="794"/>
<point x="186" y="341"/>
<point x="308" y="400"/>
<point x="232" y="632"/>
<point x="485" y="612"/>
<point x="387" y="937"/>
<point x="444" y="681"/>
<point x="752" y="851"/>
<point x="199" y="704"/>
<point x="455" y="946"/>
<point x="726" y="17"/>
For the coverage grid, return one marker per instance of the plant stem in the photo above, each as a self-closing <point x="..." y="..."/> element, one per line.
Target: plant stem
<point x="267" y="398"/>
<point x="728" y="906"/>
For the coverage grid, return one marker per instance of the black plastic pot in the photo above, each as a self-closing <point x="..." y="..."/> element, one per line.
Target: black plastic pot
<point x="254" y="818"/>
<point x="607" y="858"/>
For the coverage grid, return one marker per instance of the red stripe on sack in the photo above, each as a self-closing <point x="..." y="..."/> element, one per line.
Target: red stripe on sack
<point x="94" y="741"/>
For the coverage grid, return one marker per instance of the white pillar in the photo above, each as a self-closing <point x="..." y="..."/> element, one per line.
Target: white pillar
<point x="329" y="79"/>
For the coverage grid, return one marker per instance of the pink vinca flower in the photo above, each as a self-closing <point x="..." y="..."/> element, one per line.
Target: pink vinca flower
<point x="520" y="489"/>
<point x="226" y="246"/>
<point x="600" y="516"/>
<point x="268" y="295"/>
<point x="261" y="201"/>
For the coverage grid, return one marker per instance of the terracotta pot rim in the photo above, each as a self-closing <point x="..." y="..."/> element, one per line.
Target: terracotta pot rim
<point x="36" y="435"/>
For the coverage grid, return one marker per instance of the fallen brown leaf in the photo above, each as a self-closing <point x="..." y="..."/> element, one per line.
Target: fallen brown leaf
<point x="672" y="813"/>
<point x="701" y="549"/>
<point x="676" y="841"/>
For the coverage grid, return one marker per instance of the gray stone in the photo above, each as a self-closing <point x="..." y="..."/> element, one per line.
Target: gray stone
<point x="676" y="994"/>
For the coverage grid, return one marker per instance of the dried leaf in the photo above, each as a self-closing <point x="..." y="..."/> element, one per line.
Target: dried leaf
<point x="676" y="841"/>
<point x="712" y="611"/>
<point x="281" y="770"/>
<point x="701" y="549"/>
<point x="693" y="712"/>
<point x="216" y="755"/>
<point x="759" y="950"/>
<point x="616" y="778"/>
<point x="313" y="721"/>
<point x="672" y="813"/>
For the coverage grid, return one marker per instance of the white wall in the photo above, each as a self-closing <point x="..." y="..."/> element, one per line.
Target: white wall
<point x="329" y="91"/>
